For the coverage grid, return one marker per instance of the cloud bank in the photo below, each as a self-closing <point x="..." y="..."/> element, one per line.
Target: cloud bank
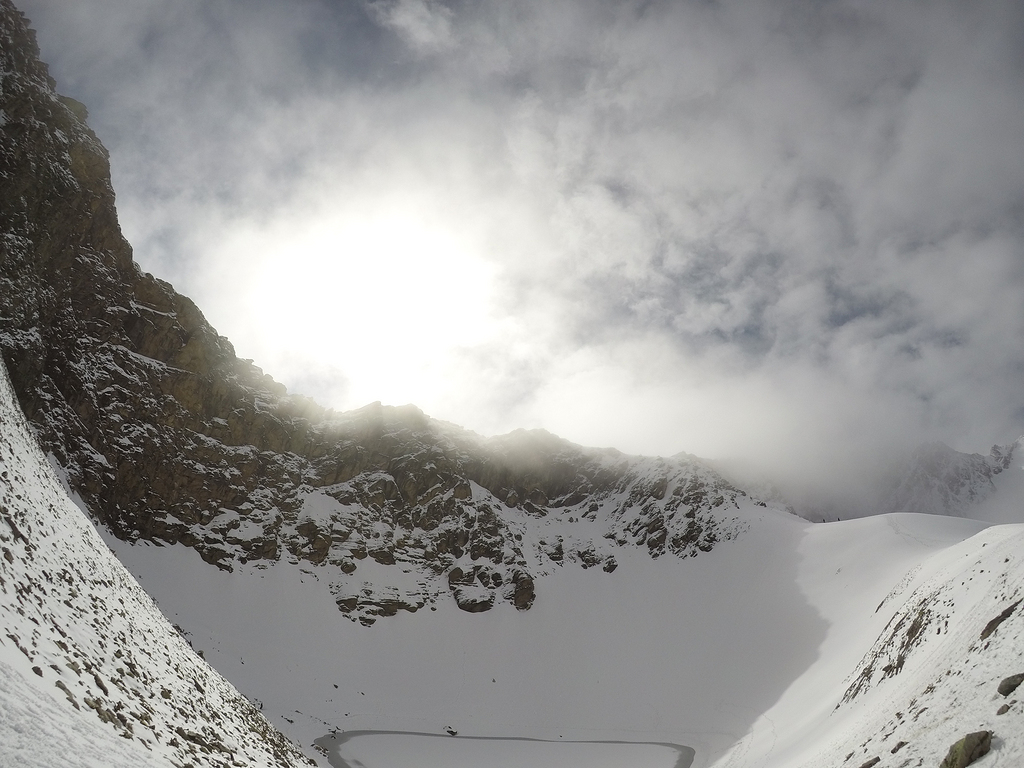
<point x="790" y="232"/>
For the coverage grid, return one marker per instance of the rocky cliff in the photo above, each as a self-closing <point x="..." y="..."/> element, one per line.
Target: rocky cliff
<point x="940" y="480"/>
<point x="166" y="435"/>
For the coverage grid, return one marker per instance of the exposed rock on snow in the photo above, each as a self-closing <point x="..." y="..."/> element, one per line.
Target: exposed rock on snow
<point x="970" y="748"/>
<point x="91" y="674"/>
<point x="938" y="665"/>
<point x="993" y="625"/>
<point x="1010" y="684"/>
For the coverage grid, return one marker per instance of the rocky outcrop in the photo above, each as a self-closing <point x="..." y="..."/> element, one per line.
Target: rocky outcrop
<point x="166" y="435"/>
<point x="993" y="625"/>
<point x="940" y="480"/>
<point x="970" y="748"/>
<point x="1010" y="684"/>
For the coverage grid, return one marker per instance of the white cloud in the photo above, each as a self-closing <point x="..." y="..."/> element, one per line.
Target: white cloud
<point x="782" y="229"/>
<point x="425" y="26"/>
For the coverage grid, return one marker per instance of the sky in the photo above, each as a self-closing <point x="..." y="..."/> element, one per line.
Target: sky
<point x="789" y="233"/>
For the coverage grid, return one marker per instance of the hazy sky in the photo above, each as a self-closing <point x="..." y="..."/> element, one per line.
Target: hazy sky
<point x="791" y="231"/>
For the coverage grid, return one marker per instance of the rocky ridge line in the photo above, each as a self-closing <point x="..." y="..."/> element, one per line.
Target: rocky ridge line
<point x="167" y="436"/>
<point x="941" y="480"/>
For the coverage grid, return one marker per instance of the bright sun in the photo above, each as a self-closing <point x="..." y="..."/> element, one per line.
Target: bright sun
<point x="382" y="297"/>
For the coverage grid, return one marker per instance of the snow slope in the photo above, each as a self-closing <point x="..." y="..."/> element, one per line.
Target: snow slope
<point x="932" y="674"/>
<point x="658" y="651"/>
<point x="91" y="674"/>
<point x="871" y="579"/>
<point x="742" y="653"/>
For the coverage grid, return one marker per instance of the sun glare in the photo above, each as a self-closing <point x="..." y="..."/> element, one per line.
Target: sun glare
<point x="383" y="298"/>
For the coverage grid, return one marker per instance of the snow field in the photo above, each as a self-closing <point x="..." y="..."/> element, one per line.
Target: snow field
<point x="741" y="653"/>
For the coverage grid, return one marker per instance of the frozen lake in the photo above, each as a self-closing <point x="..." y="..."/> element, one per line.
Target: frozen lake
<point x="400" y="749"/>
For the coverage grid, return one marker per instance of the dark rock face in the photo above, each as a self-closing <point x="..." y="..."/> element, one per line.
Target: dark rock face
<point x="1010" y="684"/>
<point x="993" y="625"/>
<point x="971" y="747"/>
<point x="166" y="435"/>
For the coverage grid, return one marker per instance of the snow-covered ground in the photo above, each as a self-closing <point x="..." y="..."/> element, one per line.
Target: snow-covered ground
<point x="658" y="651"/>
<point x="932" y="673"/>
<point x="91" y="674"/>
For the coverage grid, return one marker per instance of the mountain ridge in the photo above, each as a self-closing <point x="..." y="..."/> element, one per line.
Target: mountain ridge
<point x="167" y="436"/>
<point x="940" y="480"/>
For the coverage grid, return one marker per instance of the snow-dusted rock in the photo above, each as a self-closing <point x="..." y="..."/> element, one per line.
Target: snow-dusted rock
<point x="91" y="673"/>
<point x="941" y="481"/>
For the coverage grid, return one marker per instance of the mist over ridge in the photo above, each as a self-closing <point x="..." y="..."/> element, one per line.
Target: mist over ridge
<point x="786" y="234"/>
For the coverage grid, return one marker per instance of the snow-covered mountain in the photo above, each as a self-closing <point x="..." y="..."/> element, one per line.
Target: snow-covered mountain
<point x="793" y="644"/>
<point x="168" y="437"/>
<point x="940" y="480"/>
<point x="377" y="579"/>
